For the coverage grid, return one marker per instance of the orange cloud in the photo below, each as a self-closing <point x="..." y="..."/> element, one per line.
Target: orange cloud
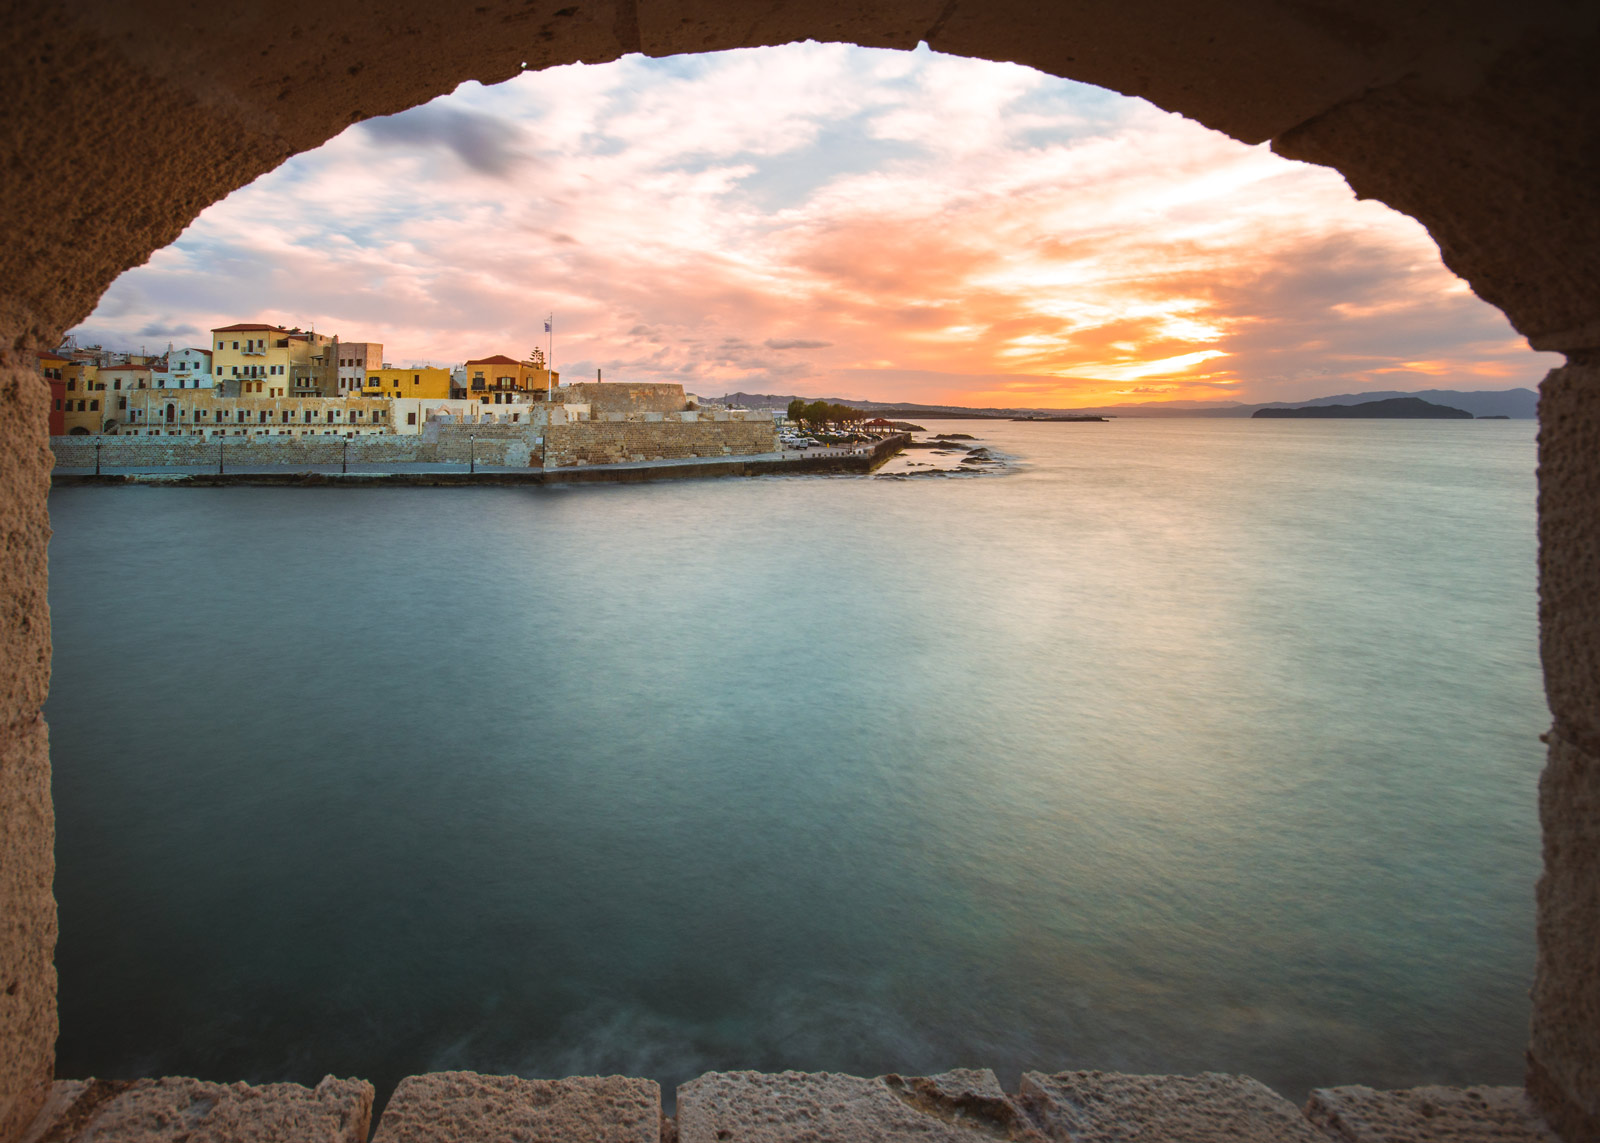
<point x="826" y="219"/>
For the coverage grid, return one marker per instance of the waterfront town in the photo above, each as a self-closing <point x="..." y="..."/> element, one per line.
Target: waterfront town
<point x="256" y="380"/>
<point x="267" y="386"/>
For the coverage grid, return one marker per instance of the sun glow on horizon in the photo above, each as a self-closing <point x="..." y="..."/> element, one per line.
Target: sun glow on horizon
<point x="821" y="218"/>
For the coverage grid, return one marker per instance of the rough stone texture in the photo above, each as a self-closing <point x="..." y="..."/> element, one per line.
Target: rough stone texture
<point x="614" y="442"/>
<point x="1428" y="1115"/>
<point x="193" y="1111"/>
<point x="1569" y="546"/>
<point x="27" y="821"/>
<point x="1512" y="132"/>
<point x="627" y="396"/>
<point x="1564" y="1052"/>
<point x="1106" y="1107"/>
<point x="456" y="1107"/>
<point x="758" y="1107"/>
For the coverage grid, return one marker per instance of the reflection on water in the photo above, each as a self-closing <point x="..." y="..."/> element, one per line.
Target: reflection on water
<point x="1187" y="745"/>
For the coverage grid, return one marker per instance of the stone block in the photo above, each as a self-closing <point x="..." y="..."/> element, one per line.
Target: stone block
<point x="1569" y="546"/>
<point x="462" y="1107"/>
<point x="1564" y="1052"/>
<point x="1107" y="1107"/>
<point x="181" y="1110"/>
<point x="1428" y="1115"/>
<point x="806" y="1107"/>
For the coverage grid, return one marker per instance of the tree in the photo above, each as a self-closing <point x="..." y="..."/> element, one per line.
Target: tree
<point x="797" y="410"/>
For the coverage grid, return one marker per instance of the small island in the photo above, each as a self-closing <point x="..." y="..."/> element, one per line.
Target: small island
<point x="1402" y="407"/>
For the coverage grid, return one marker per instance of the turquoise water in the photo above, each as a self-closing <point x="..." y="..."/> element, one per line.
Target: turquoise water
<point x="1188" y="745"/>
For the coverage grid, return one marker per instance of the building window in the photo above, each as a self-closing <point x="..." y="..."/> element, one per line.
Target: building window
<point x="94" y="406"/>
<point x="235" y="345"/>
<point x="411" y="418"/>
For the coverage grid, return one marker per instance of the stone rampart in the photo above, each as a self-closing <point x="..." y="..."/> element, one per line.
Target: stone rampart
<point x="618" y="442"/>
<point x="578" y="443"/>
<point x="626" y="396"/>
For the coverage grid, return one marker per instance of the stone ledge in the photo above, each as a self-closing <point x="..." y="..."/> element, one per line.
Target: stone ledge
<point x="959" y="1106"/>
<point x="1428" y="1115"/>
<point x="807" y="1107"/>
<point x="460" y="1107"/>
<point x="1108" y="1107"/>
<point x="193" y="1111"/>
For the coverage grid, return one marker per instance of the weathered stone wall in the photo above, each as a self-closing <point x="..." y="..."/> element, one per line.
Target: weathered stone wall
<point x="1564" y="1054"/>
<point x="615" y="442"/>
<point x="627" y="396"/>
<point x="27" y="822"/>
<point x="581" y="442"/>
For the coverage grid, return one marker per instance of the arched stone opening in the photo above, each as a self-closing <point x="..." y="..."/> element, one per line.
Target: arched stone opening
<point x="1481" y="121"/>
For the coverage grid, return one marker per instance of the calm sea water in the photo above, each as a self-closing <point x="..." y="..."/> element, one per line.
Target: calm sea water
<point x="1189" y="745"/>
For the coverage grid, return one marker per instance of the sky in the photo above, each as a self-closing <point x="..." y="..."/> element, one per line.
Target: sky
<point x="832" y="221"/>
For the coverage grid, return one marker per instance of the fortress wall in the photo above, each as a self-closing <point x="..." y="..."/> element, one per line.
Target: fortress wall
<point x="617" y="442"/>
<point x="627" y="397"/>
<point x="582" y="442"/>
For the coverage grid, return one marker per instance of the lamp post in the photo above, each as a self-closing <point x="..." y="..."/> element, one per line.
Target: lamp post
<point x="472" y="440"/>
<point x="97" y="458"/>
<point x="220" y="447"/>
<point x="344" y="461"/>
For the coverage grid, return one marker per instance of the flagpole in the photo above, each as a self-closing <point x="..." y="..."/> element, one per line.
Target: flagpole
<point x="550" y="355"/>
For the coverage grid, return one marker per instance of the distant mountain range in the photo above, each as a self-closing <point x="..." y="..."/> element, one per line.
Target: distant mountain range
<point x="1518" y="404"/>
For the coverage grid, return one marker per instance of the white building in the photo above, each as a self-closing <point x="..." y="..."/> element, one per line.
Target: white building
<point x="186" y="369"/>
<point x="411" y="414"/>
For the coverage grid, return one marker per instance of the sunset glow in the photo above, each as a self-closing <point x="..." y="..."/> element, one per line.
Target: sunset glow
<point x="837" y="222"/>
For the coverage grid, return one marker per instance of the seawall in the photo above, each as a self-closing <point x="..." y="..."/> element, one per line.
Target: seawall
<point x="767" y="464"/>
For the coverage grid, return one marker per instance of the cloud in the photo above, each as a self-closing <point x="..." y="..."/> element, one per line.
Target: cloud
<point x="942" y="229"/>
<point x="485" y="143"/>
<point x="169" y="330"/>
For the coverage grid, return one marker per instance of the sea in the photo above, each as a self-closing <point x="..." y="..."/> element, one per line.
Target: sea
<point x="1173" y="745"/>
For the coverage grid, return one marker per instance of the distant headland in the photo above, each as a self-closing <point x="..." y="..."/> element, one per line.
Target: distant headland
<point x="1512" y="404"/>
<point x="1414" y="408"/>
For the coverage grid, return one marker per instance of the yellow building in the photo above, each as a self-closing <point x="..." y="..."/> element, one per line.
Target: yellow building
<point x="252" y="359"/>
<point x="201" y="413"/>
<point x="82" y="398"/>
<point x="499" y="376"/>
<point x="429" y="383"/>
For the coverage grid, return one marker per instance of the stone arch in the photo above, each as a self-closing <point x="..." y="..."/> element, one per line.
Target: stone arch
<point x="1480" y="119"/>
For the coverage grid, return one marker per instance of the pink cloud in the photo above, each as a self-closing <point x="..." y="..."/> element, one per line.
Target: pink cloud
<point x="825" y="218"/>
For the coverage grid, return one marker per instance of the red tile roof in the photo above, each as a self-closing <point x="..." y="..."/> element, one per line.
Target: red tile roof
<point x="497" y="359"/>
<point x="247" y="325"/>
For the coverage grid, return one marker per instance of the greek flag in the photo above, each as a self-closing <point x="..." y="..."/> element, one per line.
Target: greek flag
<point x="547" y="327"/>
